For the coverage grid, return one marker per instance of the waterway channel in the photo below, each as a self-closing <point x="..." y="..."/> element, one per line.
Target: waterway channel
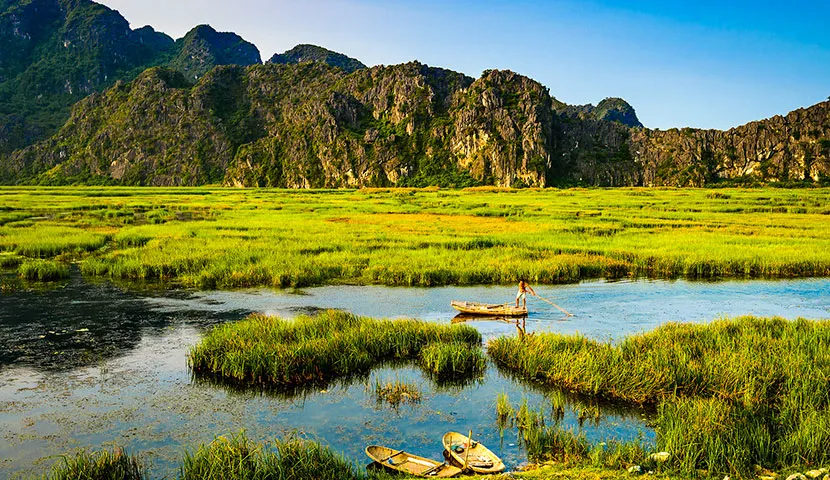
<point x="91" y="365"/>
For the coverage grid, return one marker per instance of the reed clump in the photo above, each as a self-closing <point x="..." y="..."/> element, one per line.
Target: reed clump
<point x="290" y="459"/>
<point x="396" y="392"/>
<point x="730" y="394"/>
<point x="105" y="464"/>
<point x="43" y="270"/>
<point x="453" y="360"/>
<point x="306" y="350"/>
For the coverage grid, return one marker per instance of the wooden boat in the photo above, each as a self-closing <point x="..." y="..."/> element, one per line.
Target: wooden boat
<point x="411" y="464"/>
<point x="478" y="458"/>
<point x="475" y="308"/>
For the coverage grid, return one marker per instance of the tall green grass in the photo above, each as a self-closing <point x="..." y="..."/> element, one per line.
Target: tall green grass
<point x="43" y="270"/>
<point x="453" y="360"/>
<point x="229" y="238"/>
<point x="102" y="465"/>
<point x="290" y="459"/>
<point x="730" y="394"/>
<point x="307" y="350"/>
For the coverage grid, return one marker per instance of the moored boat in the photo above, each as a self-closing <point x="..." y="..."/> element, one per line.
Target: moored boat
<point x="471" y="455"/>
<point x="411" y="464"/>
<point x="490" y="309"/>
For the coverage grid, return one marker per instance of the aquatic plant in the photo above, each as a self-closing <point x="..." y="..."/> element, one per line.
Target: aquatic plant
<point x="730" y="394"/>
<point x="43" y="270"/>
<point x="289" y="459"/>
<point x="284" y="353"/>
<point x="104" y="464"/>
<point x="452" y="360"/>
<point x="396" y="392"/>
<point x="504" y="411"/>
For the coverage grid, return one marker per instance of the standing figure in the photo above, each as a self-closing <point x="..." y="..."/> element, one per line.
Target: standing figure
<point x="524" y="289"/>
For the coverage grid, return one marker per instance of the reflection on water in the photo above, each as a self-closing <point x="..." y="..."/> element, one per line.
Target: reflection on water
<point x="88" y="365"/>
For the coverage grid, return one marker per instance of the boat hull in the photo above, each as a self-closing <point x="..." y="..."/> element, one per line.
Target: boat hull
<point x="412" y="464"/>
<point x="489" y="309"/>
<point x="479" y="460"/>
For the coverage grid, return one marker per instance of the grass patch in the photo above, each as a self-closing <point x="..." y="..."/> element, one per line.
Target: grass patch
<point x="104" y="464"/>
<point x="454" y="360"/>
<point x="290" y="459"/>
<point x="230" y="238"/>
<point x="730" y="395"/>
<point x="396" y="392"/>
<point x="43" y="270"/>
<point x="310" y="350"/>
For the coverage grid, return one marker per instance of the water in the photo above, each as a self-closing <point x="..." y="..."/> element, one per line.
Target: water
<point x="91" y="365"/>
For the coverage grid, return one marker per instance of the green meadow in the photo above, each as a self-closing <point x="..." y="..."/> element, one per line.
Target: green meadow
<point x="229" y="238"/>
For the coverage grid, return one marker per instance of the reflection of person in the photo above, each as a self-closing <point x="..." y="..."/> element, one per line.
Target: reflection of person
<point x="521" y="327"/>
<point x="524" y="289"/>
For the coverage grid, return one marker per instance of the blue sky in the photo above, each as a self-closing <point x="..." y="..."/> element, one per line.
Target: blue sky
<point x="702" y="64"/>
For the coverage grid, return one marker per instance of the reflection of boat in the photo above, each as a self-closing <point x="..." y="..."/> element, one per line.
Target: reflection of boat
<point x="411" y="464"/>
<point x="475" y="456"/>
<point x="475" y="308"/>
<point x="468" y="317"/>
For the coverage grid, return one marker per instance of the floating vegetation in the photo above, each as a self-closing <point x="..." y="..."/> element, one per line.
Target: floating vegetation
<point x="453" y="360"/>
<point x="396" y="392"/>
<point x="308" y="350"/>
<point x="105" y="464"/>
<point x="730" y="395"/>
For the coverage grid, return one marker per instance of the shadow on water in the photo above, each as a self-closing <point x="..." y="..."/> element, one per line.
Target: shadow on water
<point x="76" y="323"/>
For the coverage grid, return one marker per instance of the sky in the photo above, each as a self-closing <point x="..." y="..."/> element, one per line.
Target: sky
<point x="704" y="63"/>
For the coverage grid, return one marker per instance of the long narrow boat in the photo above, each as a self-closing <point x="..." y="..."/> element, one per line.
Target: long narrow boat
<point x="478" y="458"/>
<point x="475" y="308"/>
<point x="411" y="464"/>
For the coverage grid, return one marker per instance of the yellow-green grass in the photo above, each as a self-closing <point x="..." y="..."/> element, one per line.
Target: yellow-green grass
<point x="453" y="360"/>
<point x="43" y="270"/>
<point x="279" y="353"/>
<point x="289" y="459"/>
<point x="104" y="464"/>
<point x="729" y="395"/>
<point x="226" y="238"/>
<point x="396" y="392"/>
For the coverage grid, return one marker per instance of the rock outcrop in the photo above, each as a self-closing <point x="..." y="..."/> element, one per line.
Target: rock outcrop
<point x="313" y="53"/>
<point x="53" y="53"/>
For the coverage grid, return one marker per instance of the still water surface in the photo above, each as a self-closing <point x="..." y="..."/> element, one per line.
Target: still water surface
<point x="92" y="364"/>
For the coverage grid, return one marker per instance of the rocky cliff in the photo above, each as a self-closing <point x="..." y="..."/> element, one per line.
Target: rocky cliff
<point x="313" y="53"/>
<point x="203" y="48"/>
<point x="795" y="147"/>
<point x="53" y="53"/>
<point x="304" y="125"/>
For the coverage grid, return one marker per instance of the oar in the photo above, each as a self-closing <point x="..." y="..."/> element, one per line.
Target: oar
<point x="390" y="456"/>
<point x="555" y="305"/>
<point x="469" y="447"/>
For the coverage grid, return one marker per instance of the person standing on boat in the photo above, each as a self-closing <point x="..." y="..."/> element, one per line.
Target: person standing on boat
<point x="524" y="289"/>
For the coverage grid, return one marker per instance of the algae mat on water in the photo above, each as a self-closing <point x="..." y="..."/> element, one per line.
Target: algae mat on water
<point x="228" y="238"/>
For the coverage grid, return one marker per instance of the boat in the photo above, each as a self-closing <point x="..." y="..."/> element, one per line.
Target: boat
<point x="411" y="464"/>
<point x="475" y="457"/>
<point x="490" y="309"/>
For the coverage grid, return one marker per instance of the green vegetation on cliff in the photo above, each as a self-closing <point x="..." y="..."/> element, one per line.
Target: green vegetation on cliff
<point x="57" y="52"/>
<point x="215" y="238"/>
<point x="313" y="53"/>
